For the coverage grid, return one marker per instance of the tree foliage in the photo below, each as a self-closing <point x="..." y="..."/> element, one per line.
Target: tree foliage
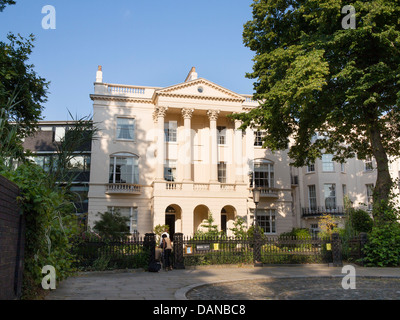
<point x="3" y="4"/>
<point x="314" y="76"/>
<point x="18" y="79"/>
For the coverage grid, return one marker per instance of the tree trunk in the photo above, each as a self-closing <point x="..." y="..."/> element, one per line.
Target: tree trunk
<point x="384" y="182"/>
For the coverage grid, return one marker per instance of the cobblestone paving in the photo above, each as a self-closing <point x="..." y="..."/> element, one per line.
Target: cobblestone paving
<point x="321" y="288"/>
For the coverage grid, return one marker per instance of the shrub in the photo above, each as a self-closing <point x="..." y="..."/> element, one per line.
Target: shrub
<point x="360" y="220"/>
<point x="383" y="246"/>
<point x="112" y="225"/>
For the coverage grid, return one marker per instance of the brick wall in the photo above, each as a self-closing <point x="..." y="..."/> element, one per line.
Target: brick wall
<point x="11" y="241"/>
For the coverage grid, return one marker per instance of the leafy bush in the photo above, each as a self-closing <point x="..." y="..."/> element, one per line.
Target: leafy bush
<point x="112" y="225"/>
<point x="360" y="220"/>
<point x="383" y="246"/>
<point x="49" y="225"/>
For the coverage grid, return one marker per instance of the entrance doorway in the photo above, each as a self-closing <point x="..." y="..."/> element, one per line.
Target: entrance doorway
<point x="170" y="222"/>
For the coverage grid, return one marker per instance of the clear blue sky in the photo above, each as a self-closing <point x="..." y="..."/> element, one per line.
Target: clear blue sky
<point x="150" y="43"/>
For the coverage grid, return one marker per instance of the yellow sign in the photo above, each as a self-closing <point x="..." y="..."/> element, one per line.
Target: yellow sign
<point x="216" y="246"/>
<point x="328" y="247"/>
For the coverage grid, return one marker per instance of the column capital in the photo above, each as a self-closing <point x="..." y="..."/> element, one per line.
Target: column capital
<point x="161" y="111"/>
<point x="213" y="115"/>
<point x="187" y="113"/>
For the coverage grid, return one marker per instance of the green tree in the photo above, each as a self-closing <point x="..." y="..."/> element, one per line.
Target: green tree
<point x="19" y="80"/>
<point x="112" y="225"/>
<point x="311" y="75"/>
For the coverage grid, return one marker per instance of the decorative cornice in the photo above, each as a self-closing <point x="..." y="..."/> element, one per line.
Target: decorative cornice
<point x="119" y="99"/>
<point x="187" y="113"/>
<point x="213" y="115"/>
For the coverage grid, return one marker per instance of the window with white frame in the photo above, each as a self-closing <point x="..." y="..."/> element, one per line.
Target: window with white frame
<point x="222" y="172"/>
<point x="344" y="191"/>
<point x="170" y="130"/>
<point x="124" y="168"/>
<point x="125" y="129"/>
<point x="311" y="168"/>
<point x="370" y="195"/>
<point x="368" y="164"/>
<point x="266" y="219"/>
<point x="343" y="167"/>
<point x="312" y="197"/>
<point x="327" y="163"/>
<point x="263" y="174"/>
<point x="330" y="195"/>
<point x="170" y="170"/>
<point x="258" y="138"/>
<point x="131" y="213"/>
<point x="221" y="135"/>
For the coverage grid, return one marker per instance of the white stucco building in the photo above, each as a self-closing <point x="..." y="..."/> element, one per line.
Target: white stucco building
<point x="172" y="155"/>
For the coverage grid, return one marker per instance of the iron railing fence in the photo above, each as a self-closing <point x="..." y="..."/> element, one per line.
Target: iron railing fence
<point x="101" y="254"/>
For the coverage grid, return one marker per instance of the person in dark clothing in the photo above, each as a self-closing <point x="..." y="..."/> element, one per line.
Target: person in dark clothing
<point x="167" y="248"/>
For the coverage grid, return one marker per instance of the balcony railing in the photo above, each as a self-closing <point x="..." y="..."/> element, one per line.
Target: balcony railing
<point x="173" y="186"/>
<point x="266" y="192"/>
<point x="123" y="188"/>
<point x="320" y="211"/>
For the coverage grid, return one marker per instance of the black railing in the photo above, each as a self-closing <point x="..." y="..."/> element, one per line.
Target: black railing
<point x="320" y="211"/>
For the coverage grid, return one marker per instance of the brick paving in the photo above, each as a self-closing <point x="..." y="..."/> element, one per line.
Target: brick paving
<point x="222" y="283"/>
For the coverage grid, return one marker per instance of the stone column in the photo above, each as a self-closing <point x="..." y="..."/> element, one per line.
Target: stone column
<point x="238" y="152"/>
<point x="160" y="114"/>
<point x="213" y="116"/>
<point x="188" y="149"/>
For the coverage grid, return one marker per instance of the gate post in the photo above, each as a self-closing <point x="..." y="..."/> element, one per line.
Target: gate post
<point x="336" y="250"/>
<point x="178" y="251"/>
<point x="150" y="244"/>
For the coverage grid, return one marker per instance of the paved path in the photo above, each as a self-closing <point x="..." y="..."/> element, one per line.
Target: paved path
<point x="174" y="285"/>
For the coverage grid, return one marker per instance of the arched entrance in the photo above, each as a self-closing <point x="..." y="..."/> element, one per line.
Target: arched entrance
<point x="200" y="215"/>
<point x="228" y="215"/>
<point x="173" y="219"/>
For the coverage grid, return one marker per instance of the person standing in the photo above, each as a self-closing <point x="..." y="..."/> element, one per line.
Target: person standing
<point x="167" y="249"/>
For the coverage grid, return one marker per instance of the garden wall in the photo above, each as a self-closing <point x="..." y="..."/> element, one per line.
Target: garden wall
<point x="12" y="228"/>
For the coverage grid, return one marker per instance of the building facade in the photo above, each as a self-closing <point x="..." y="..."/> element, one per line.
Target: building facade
<point x="43" y="147"/>
<point x="173" y="155"/>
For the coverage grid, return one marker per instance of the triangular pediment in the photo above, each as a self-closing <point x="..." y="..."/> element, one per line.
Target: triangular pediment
<point x="200" y="89"/>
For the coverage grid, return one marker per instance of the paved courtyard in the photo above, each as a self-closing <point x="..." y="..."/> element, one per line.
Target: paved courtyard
<point x="225" y="283"/>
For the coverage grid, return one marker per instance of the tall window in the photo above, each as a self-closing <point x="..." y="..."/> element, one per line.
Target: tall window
<point x="170" y="170"/>
<point x="125" y="129"/>
<point x="131" y="213"/>
<point x="258" y="138"/>
<point x="222" y="172"/>
<point x="170" y="130"/>
<point x="370" y="198"/>
<point x="266" y="220"/>
<point x="263" y="174"/>
<point x="327" y="163"/>
<point x="344" y="190"/>
<point x="312" y="197"/>
<point x="368" y="164"/>
<point x="221" y="135"/>
<point x="124" y="169"/>
<point x="330" y="195"/>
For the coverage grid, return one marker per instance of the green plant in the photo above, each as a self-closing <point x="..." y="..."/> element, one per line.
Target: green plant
<point x="101" y="263"/>
<point x="112" y="225"/>
<point x="239" y="229"/>
<point x="383" y="246"/>
<point x="49" y="225"/>
<point x="360" y="220"/>
<point x="212" y="229"/>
